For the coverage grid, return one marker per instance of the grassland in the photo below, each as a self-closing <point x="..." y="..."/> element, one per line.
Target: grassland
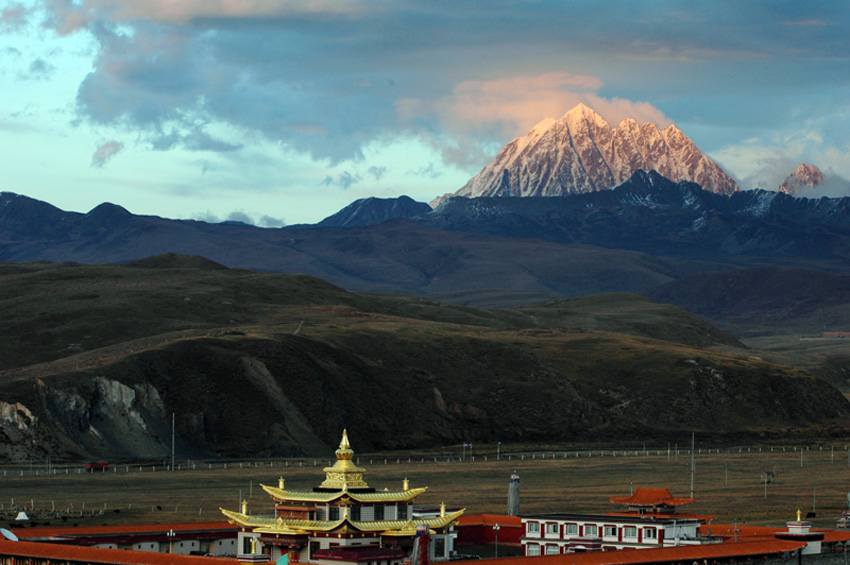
<point x="727" y="484"/>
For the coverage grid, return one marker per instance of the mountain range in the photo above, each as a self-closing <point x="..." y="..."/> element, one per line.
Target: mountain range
<point x="472" y="308"/>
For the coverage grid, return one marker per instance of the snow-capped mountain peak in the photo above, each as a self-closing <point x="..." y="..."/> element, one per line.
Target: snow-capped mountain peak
<point x="581" y="153"/>
<point x="804" y="176"/>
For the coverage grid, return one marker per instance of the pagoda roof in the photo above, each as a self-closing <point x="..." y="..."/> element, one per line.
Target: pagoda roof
<point x="651" y="497"/>
<point x="286" y="495"/>
<point x="283" y="526"/>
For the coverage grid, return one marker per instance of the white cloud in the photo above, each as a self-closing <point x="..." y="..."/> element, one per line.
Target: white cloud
<point x="67" y="16"/>
<point x="477" y="112"/>
<point x="105" y="152"/>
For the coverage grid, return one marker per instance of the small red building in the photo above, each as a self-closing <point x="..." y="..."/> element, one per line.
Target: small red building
<point x="479" y="529"/>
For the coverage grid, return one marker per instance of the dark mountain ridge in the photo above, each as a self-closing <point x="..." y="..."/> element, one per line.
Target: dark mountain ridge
<point x="654" y="215"/>
<point x="96" y="358"/>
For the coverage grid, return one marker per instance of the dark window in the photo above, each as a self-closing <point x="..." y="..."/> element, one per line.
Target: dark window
<point x="355" y="513"/>
<point x="379" y="513"/>
<point x="439" y="548"/>
<point x="333" y="514"/>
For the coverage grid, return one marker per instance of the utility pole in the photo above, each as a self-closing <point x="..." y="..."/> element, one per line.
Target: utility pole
<point x="172" y="440"/>
<point x="692" y="464"/>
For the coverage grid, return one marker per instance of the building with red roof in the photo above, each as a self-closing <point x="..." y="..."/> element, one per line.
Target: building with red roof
<point x="35" y="553"/>
<point x="650" y="521"/>
<point x="651" y="501"/>
<point x="214" y="538"/>
<point x="480" y="529"/>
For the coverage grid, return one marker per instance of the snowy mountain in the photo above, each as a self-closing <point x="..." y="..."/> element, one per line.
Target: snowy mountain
<point x="580" y="153"/>
<point x="805" y="176"/>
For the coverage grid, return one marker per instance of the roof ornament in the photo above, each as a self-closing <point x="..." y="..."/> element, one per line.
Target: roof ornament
<point x="442" y="510"/>
<point x="405" y="485"/>
<point x="280" y="483"/>
<point x="245" y="507"/>
<point x="344" y="474"/>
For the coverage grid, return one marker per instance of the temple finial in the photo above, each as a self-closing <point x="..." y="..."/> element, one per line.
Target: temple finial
<point x="343" y="444"/>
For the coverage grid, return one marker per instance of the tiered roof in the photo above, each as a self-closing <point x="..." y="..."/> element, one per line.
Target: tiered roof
<point x="343" y="485"/>
<point x="651" y="497"/>
<point x="291" y="527"/>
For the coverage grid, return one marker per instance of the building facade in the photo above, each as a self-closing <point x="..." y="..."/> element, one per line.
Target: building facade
<point x="343" y="520"/>
<point x="650" y="521"/>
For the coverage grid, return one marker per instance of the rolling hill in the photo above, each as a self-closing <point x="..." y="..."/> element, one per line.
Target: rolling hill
<point x="97" y="357"/>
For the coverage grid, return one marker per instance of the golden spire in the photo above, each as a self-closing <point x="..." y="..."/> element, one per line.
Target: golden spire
<point x="442" y="510"/>
<point x="245" y="507"/>
<point x="798" y="515"/>
<point x="280" y="483"/>
<point x="405" y="486"/>
<point x="344" y="474"/>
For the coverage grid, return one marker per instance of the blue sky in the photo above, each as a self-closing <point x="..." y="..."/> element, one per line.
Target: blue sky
<point x="284" y="111"/>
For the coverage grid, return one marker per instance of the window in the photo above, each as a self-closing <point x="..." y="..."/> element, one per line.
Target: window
<point x="630" y="532"/>
<point x="572" y="529"/>
<point x="354" y="513"/>
<point x="610" y="531"/>
<point x="552" y="550"/>
<point x="532" y="549"/>
<point x="551" y="529"/>
<point x="650" y="533"/>
<point x="379" y="513"/>
<point x="534" y="528"/>
<point x="591" y="530"/>
<point x="402" y="512"/>
<point x="333" y="513"/>
<point x="439" y="548"/>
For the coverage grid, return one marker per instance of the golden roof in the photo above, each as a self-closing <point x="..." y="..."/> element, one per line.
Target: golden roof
<point x="284" y="526"/>
<point x="344" y="474"/>
<point x="282" y="495"/>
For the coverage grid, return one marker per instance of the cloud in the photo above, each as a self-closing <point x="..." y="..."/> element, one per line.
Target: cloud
<point x="476" y="112"/>
<point x="429" y="172"/>
<point x="513" y="105"/>
<point x="377" y="172"/>
<point x="344" y="180"/>
<point x="207" y="217"/>
<point x="326" y="78"/>
<point x="14" y="16"/>
<point x="39" y="69"/>
<point x="270" y="222"/>
<point x="70" y="16"/>
<point x="240" y="216"/>
<point x="105" y="152"/>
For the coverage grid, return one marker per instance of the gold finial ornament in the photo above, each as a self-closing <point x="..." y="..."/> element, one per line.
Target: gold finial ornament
<point x="442" y="510"/>
<point x="405" y="485"/>
<point x="798" y="515"/>
<point x="344" y="474"/>
<point x="280" y="483"/>
<point x="245" y="507"/>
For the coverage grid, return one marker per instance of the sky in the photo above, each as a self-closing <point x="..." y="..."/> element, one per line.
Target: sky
<point x="278" y="112"/>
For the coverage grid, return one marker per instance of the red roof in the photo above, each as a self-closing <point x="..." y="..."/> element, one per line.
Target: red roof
<point x="503" y="520"/>
<point x="651" y="497"/>
<point x="660" y="555"/>
<point x="768" y="532"/>
<point x="73" y="553"/>
<point x="24" y="533"/>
